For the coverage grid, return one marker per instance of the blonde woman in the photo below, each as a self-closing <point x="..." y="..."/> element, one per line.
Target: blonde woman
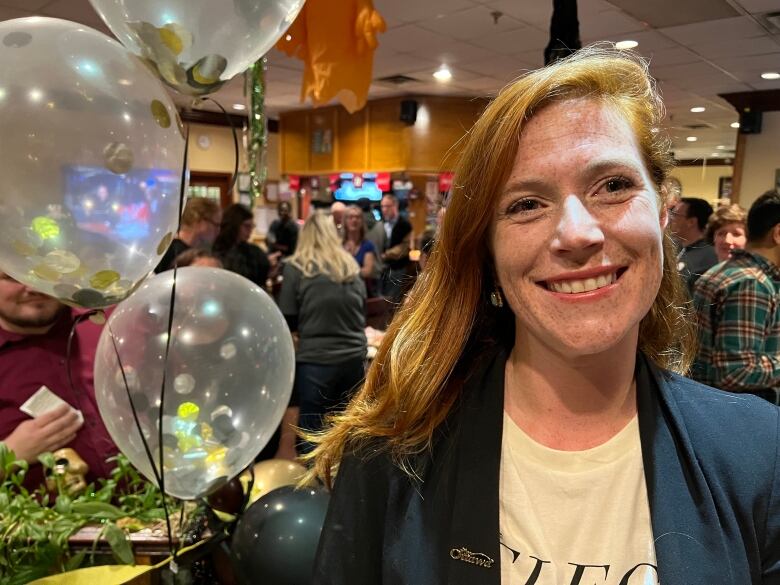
<point x="525" y="419"/>
<point x="323" y="299"/>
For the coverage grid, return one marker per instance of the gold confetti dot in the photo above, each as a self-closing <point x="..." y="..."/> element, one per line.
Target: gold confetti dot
<point x="118" y="157"/>
<point x="23" y="248"/>
<point x="62" y="261"/>
<point x="98" y="318"/>
<point x="216" y="455"/>
<point x="46" y="272"/>
<point x="171" y="40"/>
<point x="164" y="243"/>
<point x="161" y="115"/>
<point x="188" y="410"/>
<point x="103" y="279"/>
<point x="206" y="431"/>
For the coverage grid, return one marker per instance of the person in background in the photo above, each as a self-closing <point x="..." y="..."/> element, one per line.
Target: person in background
<point x="323" y="299"/>
<point x="362" y="250"/>
<point x="392" y="239"/>
<point x="283" y="232"/>
<point x="738" y="305"/>
<point x="337" y="211"/>
<point x="34" y="331"/>
<point x="687" y="223"/>
<point x="199" y="228"/>
<point x="196" y="257"/>
<point x="233" y="248"/>
<point x="726" y="230"/>
<point x="525" y="420"/>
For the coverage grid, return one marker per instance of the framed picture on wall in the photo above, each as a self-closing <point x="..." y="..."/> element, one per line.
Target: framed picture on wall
<point x="724" y="188"/>
<point x="777" y="179"/>
<point x="243" y="182"/>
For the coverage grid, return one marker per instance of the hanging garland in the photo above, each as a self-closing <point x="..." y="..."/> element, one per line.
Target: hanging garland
<point x="257" y="136"/>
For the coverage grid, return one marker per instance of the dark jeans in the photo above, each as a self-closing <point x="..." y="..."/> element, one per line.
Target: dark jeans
<point x="321" y="389"/>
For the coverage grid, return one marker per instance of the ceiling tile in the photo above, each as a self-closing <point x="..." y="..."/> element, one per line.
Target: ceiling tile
<point x="27" y="5"/>
<point x="469" y="24"/>
<point x="671" y="56"/>
<point x="11" y="13"/>
<point x="414" y="10"/>
<point x="737" y="47"/>
<point x="500" y="66"/>
<point x="77" y="10"/>
<point x="607" y="24"/>
<point x="514" y="42"/>
<point x="537" y="14"/>
<point x="740" y="27"/>
<point x="759" y="6"/>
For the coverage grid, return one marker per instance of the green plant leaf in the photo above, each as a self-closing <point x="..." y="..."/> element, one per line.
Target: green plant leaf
<point x="75" y="561"/>
<point x="119" y="543"/>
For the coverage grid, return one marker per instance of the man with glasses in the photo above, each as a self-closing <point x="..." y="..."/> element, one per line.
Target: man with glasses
<point x="199" y="228"/>
<point x="687" y="221"/>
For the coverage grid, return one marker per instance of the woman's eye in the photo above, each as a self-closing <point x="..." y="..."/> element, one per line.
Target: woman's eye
<point x="617" y="184"/>
<point x="524" y="206"/>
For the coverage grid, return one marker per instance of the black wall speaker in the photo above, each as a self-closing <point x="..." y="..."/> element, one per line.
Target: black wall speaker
<point x="409" y="111"/>
<point x="750" y="122"/>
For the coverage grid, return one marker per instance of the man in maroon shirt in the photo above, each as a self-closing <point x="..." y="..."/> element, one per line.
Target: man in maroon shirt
<point x="34" y="330"/>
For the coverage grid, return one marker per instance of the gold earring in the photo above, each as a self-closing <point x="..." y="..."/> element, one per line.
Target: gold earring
<point x="496" y="299"/>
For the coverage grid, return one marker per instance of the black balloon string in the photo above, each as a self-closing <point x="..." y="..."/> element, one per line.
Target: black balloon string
<point x="235" y="140"/>
<point x="172" y="304"/>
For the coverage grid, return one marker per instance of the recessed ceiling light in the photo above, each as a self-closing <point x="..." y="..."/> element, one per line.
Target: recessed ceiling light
<point x="735" y="124"/>
<point x="239" y="107"/>
<point x="771" y="75"/>
<point x="655" y="130"/>
<point x="698" y="109"/>
<point x="721" y="147"/>
<point x="626" y="44"/>
<point x="715" y="154"/>
<point x="124" y="82"/>
<point x="691" y="139"/>
<point x="443" y="73"/>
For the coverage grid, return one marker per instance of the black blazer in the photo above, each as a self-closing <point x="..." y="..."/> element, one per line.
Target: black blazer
<point x="400" y="230"/>
<point x="713" y="483"/>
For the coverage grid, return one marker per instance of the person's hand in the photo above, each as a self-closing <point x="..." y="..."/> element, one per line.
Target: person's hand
<point x="47" y="432"/>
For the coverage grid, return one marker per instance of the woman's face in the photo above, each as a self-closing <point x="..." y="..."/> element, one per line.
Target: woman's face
<point x="245" y="231"/>
<point x="354" y="220"/>
<point x="577" y="234"/>
<point x="727" y="237"/>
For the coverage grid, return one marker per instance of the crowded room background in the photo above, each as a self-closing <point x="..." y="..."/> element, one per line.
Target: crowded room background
<point x="341" y="292"/>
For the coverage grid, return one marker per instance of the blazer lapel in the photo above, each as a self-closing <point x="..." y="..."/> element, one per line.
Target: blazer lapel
<point x="472" y="546"/>
<point x="688" y="546"/>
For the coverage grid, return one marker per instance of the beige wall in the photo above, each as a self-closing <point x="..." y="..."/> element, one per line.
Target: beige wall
<point x="219" y="157"/>
<point x="701" y="181"/>
<point x="762" y="158"/>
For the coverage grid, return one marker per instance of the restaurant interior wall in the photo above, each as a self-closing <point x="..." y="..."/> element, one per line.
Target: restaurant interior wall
<point x="702" y="180"/>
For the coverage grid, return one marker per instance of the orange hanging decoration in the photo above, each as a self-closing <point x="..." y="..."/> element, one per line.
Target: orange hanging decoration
<point x="336" y="41"/>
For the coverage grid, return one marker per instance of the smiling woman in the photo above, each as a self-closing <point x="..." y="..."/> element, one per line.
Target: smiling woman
<point x="523" y="409"/>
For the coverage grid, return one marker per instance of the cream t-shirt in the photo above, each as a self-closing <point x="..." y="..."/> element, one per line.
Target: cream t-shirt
<point x="574" y="517"/>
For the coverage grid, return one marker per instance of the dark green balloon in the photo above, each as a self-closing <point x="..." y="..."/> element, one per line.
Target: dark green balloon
<point x="276" y="539"/>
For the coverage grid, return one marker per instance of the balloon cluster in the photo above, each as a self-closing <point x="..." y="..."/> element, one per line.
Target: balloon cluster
<point x="194" y="368"/>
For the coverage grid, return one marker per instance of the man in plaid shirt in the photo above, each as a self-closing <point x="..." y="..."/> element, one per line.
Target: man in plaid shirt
<point x="738" y="305"/>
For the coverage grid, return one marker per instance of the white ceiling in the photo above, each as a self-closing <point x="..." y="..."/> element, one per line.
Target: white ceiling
<point x="697" y="49"/>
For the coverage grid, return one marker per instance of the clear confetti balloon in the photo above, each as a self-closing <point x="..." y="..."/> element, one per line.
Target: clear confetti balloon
<point x="195" y="46"/>
<point x="91" y="157"/>
<point x="220" y="407"/>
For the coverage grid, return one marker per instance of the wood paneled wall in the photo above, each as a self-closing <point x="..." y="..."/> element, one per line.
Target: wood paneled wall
<point x="375" y="139"/>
